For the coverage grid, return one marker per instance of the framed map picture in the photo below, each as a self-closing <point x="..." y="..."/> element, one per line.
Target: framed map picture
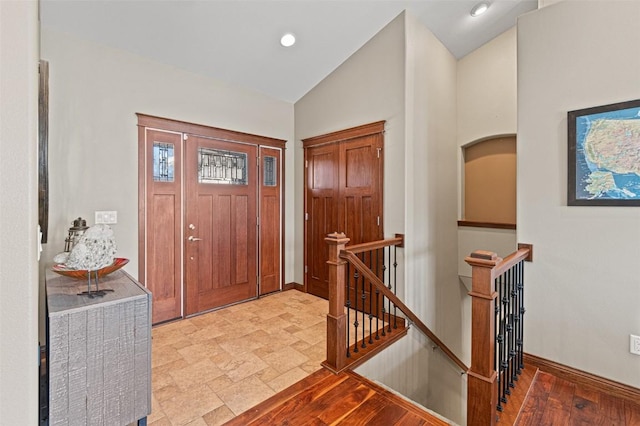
<point x="604" y="155"/>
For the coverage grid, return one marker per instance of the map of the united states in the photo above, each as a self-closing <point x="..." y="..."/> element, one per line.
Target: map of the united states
<point x="608" y="155"/>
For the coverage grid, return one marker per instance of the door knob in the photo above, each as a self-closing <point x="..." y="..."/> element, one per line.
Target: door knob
<point x="192" y="238"/>
<point x="192" y="226"/>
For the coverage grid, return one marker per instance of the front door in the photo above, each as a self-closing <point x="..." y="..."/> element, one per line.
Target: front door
<point x="163" y="202"/>
<point x="270" y="219"/>
<point x="220" y="223"/>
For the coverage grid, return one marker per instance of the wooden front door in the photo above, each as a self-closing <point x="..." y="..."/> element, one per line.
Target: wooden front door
<point x="210" y="215"/>
<point x="221" y="223"/>
<point x="343" y="194"/>
<point x="163" y="243"/>
<point x="270" y="256"/>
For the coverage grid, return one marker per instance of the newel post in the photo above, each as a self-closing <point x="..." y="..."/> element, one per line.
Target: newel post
<point x="482" y="392"/>
<point x="336" y="318"/>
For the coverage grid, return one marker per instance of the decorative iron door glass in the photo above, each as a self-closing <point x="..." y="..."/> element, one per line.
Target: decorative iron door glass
<point x="270" y="171"/>
<point x="163" y="162"/>
<point x="222" y="167"/>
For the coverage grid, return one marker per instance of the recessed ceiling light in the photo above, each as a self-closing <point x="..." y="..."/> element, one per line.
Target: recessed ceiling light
<point x="288" y="40"/>
<point x="479" y="9"/>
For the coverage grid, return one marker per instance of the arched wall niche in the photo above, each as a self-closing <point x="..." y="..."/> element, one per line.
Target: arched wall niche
<point x="489" y="181"/>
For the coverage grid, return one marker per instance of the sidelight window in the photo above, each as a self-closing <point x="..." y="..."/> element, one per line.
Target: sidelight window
<point x="163" y="162"/>
<point x="270" y="171"/>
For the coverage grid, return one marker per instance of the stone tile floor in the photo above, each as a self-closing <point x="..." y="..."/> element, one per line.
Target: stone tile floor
<point x="210" y="368"/>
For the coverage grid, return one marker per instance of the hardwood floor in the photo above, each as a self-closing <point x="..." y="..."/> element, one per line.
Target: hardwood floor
<point x="209" y="368"/>
<point x="336" y="399"/>
<point x="557" y="402"/>
<point x="517" y="398"/>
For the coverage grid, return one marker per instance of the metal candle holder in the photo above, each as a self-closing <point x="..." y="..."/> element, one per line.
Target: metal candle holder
<point x="75" y="232"/>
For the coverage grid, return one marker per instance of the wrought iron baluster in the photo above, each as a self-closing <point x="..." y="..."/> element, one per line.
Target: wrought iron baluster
<point x="348" y="304"/>
<point x="522" y="311"/>
<point x="378" y="294"/>
<point x="388" y="313"/>
<point x="395" y="281"/>
<point x="356" y="277"/>
<point x="499" y="340"/>
<point x="496" y="365"/>
<point x="363" y="297"/>
<point x="516" y="322"/>
<point x="507" y="296"/>
<point x="370" y="299"/>
<point x="505" y="337"/>
<point x="511" y="330"/>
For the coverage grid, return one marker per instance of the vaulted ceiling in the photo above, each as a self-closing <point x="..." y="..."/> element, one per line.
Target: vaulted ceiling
<point x="238" y="41"/>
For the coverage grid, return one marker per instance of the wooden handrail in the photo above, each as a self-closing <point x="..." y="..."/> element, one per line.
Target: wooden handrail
<point x="500" y="266"/>
<point x="374" y="245"/>
<point x="486" y="267"/>
<point x="368" y="274"/>
<point x="482" y="387"/>
<point x="508" y="262"/>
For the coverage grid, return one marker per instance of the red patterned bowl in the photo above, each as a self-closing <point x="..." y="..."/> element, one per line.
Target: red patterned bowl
<point x="81" y="274"/>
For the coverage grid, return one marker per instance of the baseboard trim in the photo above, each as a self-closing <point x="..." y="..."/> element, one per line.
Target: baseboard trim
<point x="583" y="378"/>
<point x="293" y="286"/>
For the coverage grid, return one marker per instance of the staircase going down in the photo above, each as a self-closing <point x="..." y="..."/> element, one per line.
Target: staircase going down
<point x="347" y="398"/>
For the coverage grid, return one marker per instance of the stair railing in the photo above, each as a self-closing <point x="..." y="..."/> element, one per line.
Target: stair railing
<point x="497" y="331"/>
<point x="362" y="279"/>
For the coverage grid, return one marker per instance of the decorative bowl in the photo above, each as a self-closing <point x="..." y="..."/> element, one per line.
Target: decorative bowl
<point x="81" y="274"/>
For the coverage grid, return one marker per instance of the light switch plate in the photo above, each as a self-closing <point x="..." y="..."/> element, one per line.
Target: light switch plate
<point x="107" y="217"/>
<point x="634" y="344"/>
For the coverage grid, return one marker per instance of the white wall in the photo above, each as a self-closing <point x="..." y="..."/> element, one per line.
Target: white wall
<point x="18" y="213"/>
<point x="487" y="101"/>
<point x="583" y="288"/>
<point x="367" y="87"/>
<point x="405" y="76"/>
<point x="95" y="92"/>
<point x="433" y="290"/>
<point x="487" y="107"/>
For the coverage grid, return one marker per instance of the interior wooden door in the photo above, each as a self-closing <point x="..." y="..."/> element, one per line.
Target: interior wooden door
<point x="360" y="213"/>
<point x="270" y="256"/>
<point x="343" y="194"/>
<point x="163" y="238"/>
<point x="322" y="201"/>
<point x="360" y="190"/>
<point x="220" y="223"/>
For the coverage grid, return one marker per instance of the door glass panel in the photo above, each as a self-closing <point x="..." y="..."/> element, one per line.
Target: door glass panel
<point x="270" y="171"/>
<point x="163" y="162"/>
<point x="222" y="167"/>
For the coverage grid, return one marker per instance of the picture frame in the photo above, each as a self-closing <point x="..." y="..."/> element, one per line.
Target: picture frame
<point x="43" y="150"/>
<point x="604" y="155"/>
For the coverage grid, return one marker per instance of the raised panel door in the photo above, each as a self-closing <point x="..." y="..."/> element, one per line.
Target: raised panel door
<point x="270" y="183"/>
<point x="221" y="222"/>
<point x="343" y="194"/>
<point x="163" y="245"/>
<point x="322" y="213"/>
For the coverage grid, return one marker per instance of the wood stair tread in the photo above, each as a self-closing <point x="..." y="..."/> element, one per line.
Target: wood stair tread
<point x="379" y="343"/>
<point x="516" y="400"/>
<point x="345" y="398"/>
